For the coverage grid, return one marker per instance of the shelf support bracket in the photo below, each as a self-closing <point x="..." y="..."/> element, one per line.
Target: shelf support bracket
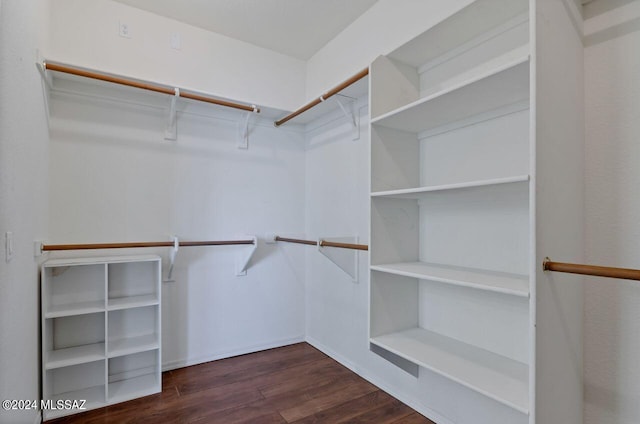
<point x="345" y="259"/>
<point x="243" y="130"/>
<point x="171" y="132"/>
<point x="172" y="260"/>
<point x="352" y="117"/>
<point x="47" y="80"/>
<point x="245" y="255"/>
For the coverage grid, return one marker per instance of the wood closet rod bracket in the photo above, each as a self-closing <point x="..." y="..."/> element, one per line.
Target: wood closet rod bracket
<point x="598" y="271"/>
<point x="335" y="90"/>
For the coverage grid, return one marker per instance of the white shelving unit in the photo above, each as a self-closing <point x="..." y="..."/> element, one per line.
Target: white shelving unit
<point x="474" y="140"/>
<point x="100" y="330"/>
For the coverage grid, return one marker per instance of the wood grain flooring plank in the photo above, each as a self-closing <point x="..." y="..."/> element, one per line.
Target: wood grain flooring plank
<point x="316" y="404"/>
<point x="414" y="418"/>
<point x="302" y="378"/>
<point x="385" y="414"/>
<point x="349" y="409"/>
<point x="244" y="370"/>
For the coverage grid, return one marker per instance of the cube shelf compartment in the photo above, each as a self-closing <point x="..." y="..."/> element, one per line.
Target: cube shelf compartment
<point x="95" y="311"/>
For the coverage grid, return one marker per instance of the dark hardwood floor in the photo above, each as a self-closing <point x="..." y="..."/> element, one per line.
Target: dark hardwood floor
<point x="292" y="384"/>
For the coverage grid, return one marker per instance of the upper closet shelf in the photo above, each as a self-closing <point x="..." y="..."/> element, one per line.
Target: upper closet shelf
<point x="347" y="91"/>
<point x="504" y="86"/>
<point x="144" y="85"/>
<point x="470" y="23"/>
<point x="419" y="192"/>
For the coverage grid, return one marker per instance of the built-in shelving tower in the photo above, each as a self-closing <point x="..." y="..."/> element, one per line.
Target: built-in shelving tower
<point x="476" y="175"/>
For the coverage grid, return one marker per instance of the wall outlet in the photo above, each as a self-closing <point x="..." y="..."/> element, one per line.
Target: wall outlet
<point x="124" y="29"/>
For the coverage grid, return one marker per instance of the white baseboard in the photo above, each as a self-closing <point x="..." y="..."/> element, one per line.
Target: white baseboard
<point x="181" y="363"/>
<point x="393" y="391"/>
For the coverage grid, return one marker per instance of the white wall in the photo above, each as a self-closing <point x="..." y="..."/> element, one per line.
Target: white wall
<point x="612" y="307"/>
<point x="114" y="178"/>
<point x="23" y="198"/>
<point x="85" y="33"/>
<point x="386" y="25"/>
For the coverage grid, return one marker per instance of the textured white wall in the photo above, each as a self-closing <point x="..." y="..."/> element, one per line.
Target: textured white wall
<point x="612" y="307"/>
<point x="85" y="33"/>
<point x="23" y="198"/>
<point x="114" y="178"/>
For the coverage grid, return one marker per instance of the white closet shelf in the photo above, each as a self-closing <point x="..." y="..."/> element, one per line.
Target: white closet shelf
<point x="129" y="345"/>
<point x="499" y="282"/>
<point x="497" y="377"/>
<point x="419" y="192"/>
<point x="94" y="396"/>
<point x="452" y="32"/>
<point x="506" y="85"/>
<point x="131" y="388"/>
<point x="115" y="304"/>
<point x="78" y="308"/>
<point x="75" y="355"/>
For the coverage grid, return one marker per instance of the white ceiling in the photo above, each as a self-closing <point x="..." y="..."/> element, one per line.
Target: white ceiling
<point x="297" y="28"/>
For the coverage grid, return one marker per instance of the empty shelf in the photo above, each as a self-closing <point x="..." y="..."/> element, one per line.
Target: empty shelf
<point x="497" y="377"/>
<point x="509" y="84"/>
<point x="120" y="347"/>
<point x="132" y="388"/>
<point x="416" y="193"/>
<point x="75" y="355"/>
<point x="132" y="302"/>
<point x="500" y="282"/>
<point x="78" y="308"/>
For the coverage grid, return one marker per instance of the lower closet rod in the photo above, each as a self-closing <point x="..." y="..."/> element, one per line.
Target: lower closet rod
<point x="52" y="247"/>
<point x="598" y="271"/>
<point x="324" y="243"/>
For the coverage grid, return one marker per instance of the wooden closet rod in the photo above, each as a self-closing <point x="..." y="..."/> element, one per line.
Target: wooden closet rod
<point x="598" y="271"/>
<point x="324" y="243"/>
<point x="52" y="247"/>
<point x="298" y="241"/>
<point x="335" y="90"/>
<point x="145" y="86"/>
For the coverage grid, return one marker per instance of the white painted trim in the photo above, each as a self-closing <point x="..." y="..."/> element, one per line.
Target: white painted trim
<point x="181" y="363"/>
<point x="393" y="391"/>
<point x="533" y="266"/>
